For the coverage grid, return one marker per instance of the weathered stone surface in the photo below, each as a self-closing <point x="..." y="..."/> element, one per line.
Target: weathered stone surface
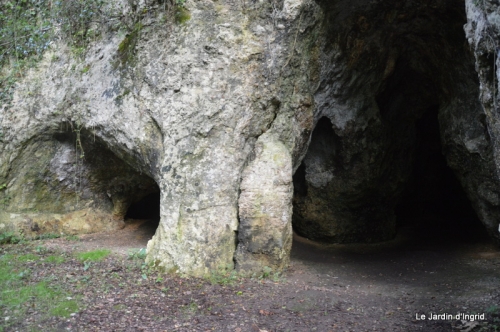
<point x="265" y="209"/>
<point x="483" y="32"/>
<point x="182" y="108"/>
<point x="83" y="221"/>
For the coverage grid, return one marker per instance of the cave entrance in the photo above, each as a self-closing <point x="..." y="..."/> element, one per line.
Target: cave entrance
<point x="430" y="203"/>
<point x="104" y="181"/>
<point x="391" y="91"/>
<point x="433" y="205"/>
<point x="145" y="212"/>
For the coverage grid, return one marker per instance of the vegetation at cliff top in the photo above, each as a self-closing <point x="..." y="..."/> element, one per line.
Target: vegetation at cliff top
<point x="29" y="27"/>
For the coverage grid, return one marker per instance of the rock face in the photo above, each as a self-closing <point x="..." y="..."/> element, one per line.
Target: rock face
<point x="219" y="110"/>
<point x="265" y="211"/>
<point x="483" y="31"/>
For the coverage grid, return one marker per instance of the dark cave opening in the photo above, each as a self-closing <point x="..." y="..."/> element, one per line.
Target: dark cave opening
<point x="433" y="204"/>
<point x="429" y="205"/>
<point x="106" y="181"/>
<point x="314" y="172"/>
<point x="146" y="209"/>
<point x="375" y="164"/>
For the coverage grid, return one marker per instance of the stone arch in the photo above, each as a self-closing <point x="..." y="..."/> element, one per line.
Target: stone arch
<point x="69" y="181"/>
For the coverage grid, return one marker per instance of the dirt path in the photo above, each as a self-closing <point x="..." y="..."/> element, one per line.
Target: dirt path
<point x="394" y="282"/>
<point x="327" y="288"/>
<point x="134" y="235"/>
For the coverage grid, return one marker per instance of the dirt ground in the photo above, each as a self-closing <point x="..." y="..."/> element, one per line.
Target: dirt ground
<point x="380" y="287"/>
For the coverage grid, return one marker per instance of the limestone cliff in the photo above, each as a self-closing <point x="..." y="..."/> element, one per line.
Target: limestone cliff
<point x="217" y="104"/>
<point x="175" y="104"/>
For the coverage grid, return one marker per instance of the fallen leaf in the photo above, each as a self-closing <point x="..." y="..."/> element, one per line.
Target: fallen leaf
<point x="265" y="313"/>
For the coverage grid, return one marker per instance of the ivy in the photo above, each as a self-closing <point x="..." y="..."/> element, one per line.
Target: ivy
<point x="27" y="28"/>
<point x="76" y="18"/>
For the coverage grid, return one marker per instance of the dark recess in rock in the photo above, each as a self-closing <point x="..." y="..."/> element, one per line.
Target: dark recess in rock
<point x="434" y="204"/>
<point x="400" y="131"/>
<point x="146" y="208"/>
<point x="99" y="171"/>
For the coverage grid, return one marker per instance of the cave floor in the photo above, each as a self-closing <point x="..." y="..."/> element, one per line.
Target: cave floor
<point x="134" y="236"/>
<point x="378" y="287"/>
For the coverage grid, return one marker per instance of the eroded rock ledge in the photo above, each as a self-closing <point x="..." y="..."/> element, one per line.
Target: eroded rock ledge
<point x="250" y="118"/>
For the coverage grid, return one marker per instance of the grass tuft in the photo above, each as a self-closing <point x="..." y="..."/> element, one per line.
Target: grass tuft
<point x="93" y="256"/>
<point x="27" y="258"/>
<point x="55" y="259"/>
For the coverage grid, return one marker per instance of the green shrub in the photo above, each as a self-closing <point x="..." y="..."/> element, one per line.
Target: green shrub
<point x="9" y="237"/>
<point x="137" y="254"/>
<point x="76" y="18"/>
<point x="25" y="28"/>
